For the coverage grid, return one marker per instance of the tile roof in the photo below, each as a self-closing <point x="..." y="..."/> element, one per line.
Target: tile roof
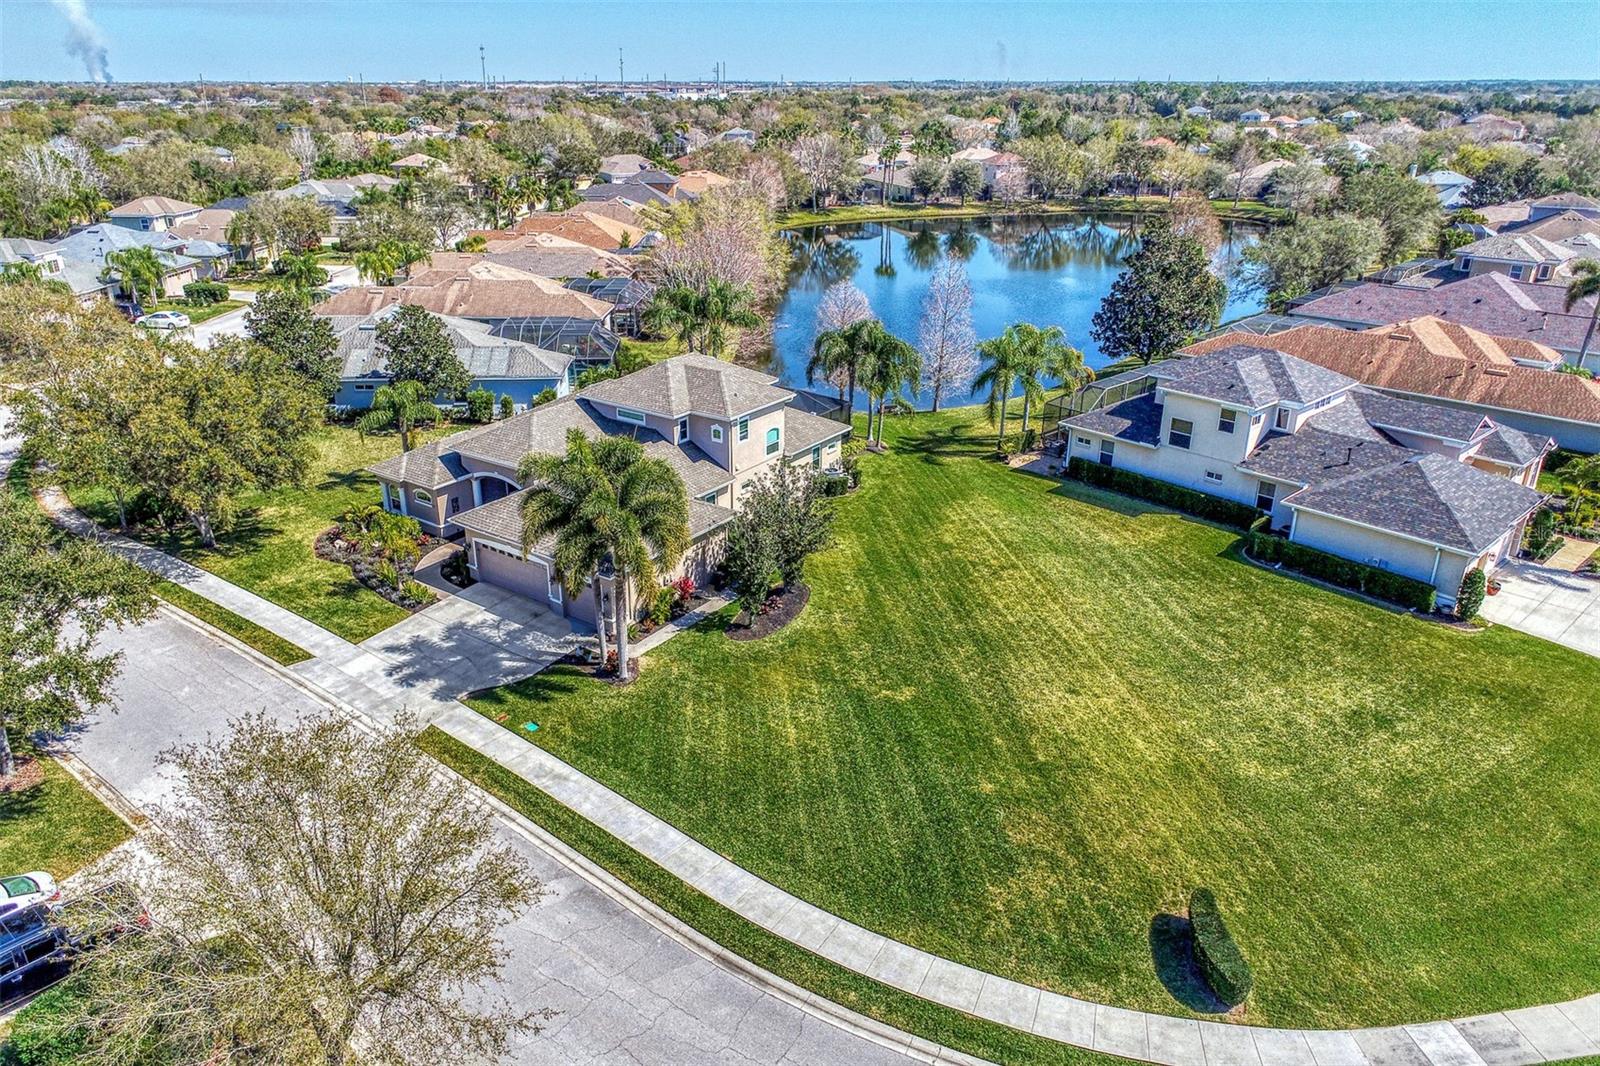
<point x="1490" y="302"/>
<point x="471" y="298"/>
<point x="1383" y="358"/>
<point x="1429" y="497"/>
<point x="484" y="355"/>
<point x="151" y="206"/>
<point x="692" y="384"/>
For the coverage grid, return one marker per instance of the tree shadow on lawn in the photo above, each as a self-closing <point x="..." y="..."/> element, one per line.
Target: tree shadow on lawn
<point x="550" y="686"/>
<point x="1172" y="953"/>
<point x="350" y="480"/>
<point x="1131" y="506"/>
<point x="941" y="445"/>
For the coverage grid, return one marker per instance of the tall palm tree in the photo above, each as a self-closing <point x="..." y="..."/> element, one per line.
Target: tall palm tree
<point x="300" y="272"/>
<point x="999" y="376"/>
<point x="1585" y="283"/>
<point x="838" y="355"/>
<point x="402" y="406"/>
<point x="1039" y="355"/>
<point x="606" y="502"/>
<point x="139" y="270"/>
<point x="700" y="318"/>
<point x="888" y="365"/>
<point x="727" y="305"/>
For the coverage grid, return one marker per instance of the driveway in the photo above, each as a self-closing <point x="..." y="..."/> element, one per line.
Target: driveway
<point x="627" y="992"/>
<point x="478" y="638"/>
<point x="1547" y="603"/>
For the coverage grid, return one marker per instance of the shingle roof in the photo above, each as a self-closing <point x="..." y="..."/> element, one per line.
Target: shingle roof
<point x="1513" y="447"/>
<point x="803" y="431"/>
<point x="1490" y="302"/>
<point x="1383" y="358"/>
<point x="1516" y="248"/>
<point x="1137" y="420"/>
<point x="1430" y="497"/>
<point x="1568" y="199"/>
<point x="1251" y="376"/>
<point x="425" y="465"/>
<point x="470" y="298"/>
<point x="692" y="384"/>
<point x="1562" y="227"/>
<point x="92" y="243"/>
<point x="151" y="206"/>
<point x="502" y="520"/>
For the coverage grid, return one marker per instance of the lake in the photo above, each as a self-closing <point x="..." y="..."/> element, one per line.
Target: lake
<point x="1048" y="270"/>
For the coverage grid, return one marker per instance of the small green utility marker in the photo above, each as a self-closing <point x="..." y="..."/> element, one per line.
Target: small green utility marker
<point x="532" y="727"/>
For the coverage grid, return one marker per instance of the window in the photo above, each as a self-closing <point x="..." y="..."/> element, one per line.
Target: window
<point x="363" y="388"/>
<point x="455" y="505"/>
<point x="1542" y="273"/>
<point x="1225" y="420"/>
<point x="1213" y="477"/>
<point x="683" y="430"/>
<point x="1281" y="420"/>
<point x="1085" y="442"/>
<point x="626" y="415"/>
<point x="1464" y="264"/>
<point x="816" y="456"/>
<point x="422" y="495"/>
<point x="716" y="434"/>
<point x="1181" y="433"/>
<point x="710" y="497"/>
<point x="1517" y="271"/>
<point x="1108" y="451"/>
<point x="744" y="429"/>
<point x="1266" y="492"/>
<point x="772" y="441"/>
<point x="1255" y="420"/>
<point x="552" y="586"/>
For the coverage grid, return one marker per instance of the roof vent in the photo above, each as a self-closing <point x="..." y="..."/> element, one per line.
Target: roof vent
<point x="1497" y="371"/>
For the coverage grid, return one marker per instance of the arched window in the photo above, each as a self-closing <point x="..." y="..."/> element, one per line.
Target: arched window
<point x="772" y="441"/>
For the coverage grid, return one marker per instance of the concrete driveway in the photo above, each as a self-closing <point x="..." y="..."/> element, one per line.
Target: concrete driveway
<point x="1552" y="604"/>
<point x="478" y="638"/>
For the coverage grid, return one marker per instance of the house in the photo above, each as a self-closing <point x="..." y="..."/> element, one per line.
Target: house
<point x="210" y="226"/>
<point x="1435" y="361"/>
<point x="92" y="244"/>
<point x="693" y="184"/>
<point x="593" y="228"/>
<point x="414" y="164"/>
<point x="85" y="279"/>
<point x="1563" y="203"/>
<point x="1361" y="150"/>
<point x="550" y="256"/>
<point x="338" y="195"/>
<point x="1519" y="256"/>
<point x="1487" y="127"/>
<point x="1449" y="186"/>
<point x="718" y="425"/>
<point x="1254" y="182"/>
<point x="1491" y="303"/>
<point x="631" y="192"/>
<point x="1198" y="111"/>
<point x="891" y="183"/>
<point x="1349" y="118"/>
<point x="662" y="182"/>
<point x="1415" y="488"/>
<point x="505" y="367"/>
<point x="614" y="168"/>
<point x="152" y="214"/>
<point x="1571" y="228"/>
<point x="1254" y="115"/>
<point x="739" y="135"/>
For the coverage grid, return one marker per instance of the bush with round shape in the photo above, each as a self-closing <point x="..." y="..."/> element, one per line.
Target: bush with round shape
<point x="1216" y="953"/>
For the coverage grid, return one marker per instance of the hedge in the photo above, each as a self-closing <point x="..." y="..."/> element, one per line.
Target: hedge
<point x="1191" y="501"/>
<point x="205" y="292"/>
<point x="1336" y="570"/>
<point x="1221" y="962"/>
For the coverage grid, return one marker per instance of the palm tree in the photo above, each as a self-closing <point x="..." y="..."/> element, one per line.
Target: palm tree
<point x="999" y="376"/>
<point x="838" y="355"/>
<point x="727" y="305"/>
<point x="1038" y="355"/>
<point x="693" y="315"/>
<point x="300" y="272"/>
<point x="403" y="406"/>
<point x="138" y="269"/>
<point x="378" y="263"/>
<point x="247" y="228"/>
<point x="1585" y="283"/>
<point x="888" y="365"/>
<point x="606" y="502"/>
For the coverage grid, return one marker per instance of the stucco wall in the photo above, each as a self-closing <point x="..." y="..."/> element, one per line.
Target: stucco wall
<point x="752" y="451"/>
<point x="1382" y="550"/>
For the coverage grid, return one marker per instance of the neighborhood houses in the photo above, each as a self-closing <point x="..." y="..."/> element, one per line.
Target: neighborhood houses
<point x="657" y="548"/>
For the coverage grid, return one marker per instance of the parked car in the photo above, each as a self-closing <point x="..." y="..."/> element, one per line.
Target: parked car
<point x="38" y="943"/>
<point x="24" y="890"/>
<point x="163" y="320"/>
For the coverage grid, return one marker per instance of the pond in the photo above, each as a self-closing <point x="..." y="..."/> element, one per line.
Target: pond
<point x="1048" y="270"/>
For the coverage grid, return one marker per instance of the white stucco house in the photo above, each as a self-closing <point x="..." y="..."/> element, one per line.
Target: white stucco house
<point x="1415" y="488"/>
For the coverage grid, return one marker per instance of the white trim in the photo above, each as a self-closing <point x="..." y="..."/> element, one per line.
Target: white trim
<point x="1101" y="434"/>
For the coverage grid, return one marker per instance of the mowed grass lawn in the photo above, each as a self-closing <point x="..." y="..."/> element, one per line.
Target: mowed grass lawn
<point x="1019" y="722"/>
<point x="270" y="549"/>
<point x="56" y="825"/>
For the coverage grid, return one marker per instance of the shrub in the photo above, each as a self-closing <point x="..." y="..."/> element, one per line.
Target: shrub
<point x="1192" y="501"/>
<point x="1381" y="584"/>
<point x="538" y="401"/>
<point x="507" y="408"/>
<point x="480" y="405"/>
<point x="834" y="484"/>
<point x="415" y="591"/>
<point x="661" y="607"/>
<point x="455" y="569"/>
<point x="205" y="292"/>
<point x="1470" y="597"/>
<point x="1221" y="962"/>
<point x="684" y="588"/>
<point x="388" y="574"/>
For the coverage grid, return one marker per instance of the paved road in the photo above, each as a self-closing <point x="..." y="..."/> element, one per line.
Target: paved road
<point x="627" y="992"/>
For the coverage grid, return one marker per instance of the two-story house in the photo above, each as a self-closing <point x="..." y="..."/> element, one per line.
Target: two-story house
<point x="152" y="214"/>
<point x="720" y="427"/>
<point x="1417" y="488"/>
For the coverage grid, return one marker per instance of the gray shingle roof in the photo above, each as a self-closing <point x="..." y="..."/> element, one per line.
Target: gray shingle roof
<point x="425" y="466"/>
<point x="1434" y="420"/>
<point x="1251" y="377"/>
<point x="692" y="384"/>
<point x="1137" y="420"/>
<point x="1430" y="497"/>
<point x="1513" y="447"/>
<point x="1516" y="248"/>
<point x="803" y="431"/>
<point x="502" y="520"/>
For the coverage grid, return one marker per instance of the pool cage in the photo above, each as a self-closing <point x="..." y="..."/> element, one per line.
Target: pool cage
<point x="629" y="296"/>
<point x="588" y="342"/>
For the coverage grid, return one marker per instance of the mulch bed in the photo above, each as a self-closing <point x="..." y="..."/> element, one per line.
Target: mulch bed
<point x="781" y="608"/>
<point x="332" y="548"/>
<point x="30" y="772"/>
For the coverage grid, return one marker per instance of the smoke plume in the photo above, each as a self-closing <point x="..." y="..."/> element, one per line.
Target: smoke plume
<point x="84" y="39"/>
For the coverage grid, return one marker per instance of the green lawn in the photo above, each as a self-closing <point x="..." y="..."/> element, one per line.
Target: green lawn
<point x="1019" y="722"/>
<point x="56" y="825"/>
<point x="258" y="637"/>
<point x="269" y="551"/>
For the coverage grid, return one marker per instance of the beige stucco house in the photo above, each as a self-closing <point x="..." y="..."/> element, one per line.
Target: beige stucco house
<point x="1420" y="489"/>
<point x="720" y="427"/>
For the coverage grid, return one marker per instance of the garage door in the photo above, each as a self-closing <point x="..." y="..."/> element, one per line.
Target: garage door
<point x="502" y="569"/>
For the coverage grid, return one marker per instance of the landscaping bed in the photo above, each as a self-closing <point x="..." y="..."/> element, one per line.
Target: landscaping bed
<point x="781" y="608"/>
<point x="1022" y="719"/>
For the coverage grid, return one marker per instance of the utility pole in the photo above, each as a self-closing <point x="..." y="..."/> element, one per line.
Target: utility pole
<point x="622" y="83"/>
<point x="483" y="68"/>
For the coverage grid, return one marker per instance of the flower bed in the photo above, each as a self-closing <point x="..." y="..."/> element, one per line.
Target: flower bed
<point x="380" y="549"/>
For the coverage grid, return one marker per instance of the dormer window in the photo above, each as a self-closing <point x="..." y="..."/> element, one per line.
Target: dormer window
<point x="1464" y="264"/>
<point x="1282" y="419"/>
<point x="683" y="430"/>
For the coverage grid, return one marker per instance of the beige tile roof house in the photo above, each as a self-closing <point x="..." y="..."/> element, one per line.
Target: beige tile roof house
<point x="468" y="297"/>
<point x="719" y="426"/>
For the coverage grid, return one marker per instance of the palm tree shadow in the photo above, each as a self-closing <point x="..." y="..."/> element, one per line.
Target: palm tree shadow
<point x="1172" y="953"/>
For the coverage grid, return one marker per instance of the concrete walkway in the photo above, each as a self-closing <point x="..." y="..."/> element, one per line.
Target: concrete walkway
<point x="361" y="678"/>
<point x="1553" y="604"/>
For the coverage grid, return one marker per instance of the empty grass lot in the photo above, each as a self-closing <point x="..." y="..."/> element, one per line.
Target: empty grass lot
<point x="1019" y="722"/>
<point x="269" y="551"/>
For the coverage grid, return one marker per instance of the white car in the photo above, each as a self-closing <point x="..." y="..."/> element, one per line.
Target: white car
<point x="163" y="320"/>
<point x="24" y="890"/>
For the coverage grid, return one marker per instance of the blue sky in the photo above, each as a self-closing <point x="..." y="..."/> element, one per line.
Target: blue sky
<point x="1196" y="40"/>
